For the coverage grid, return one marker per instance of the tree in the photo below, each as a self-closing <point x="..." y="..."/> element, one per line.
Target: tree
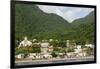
<point x="54" y="54"/>
<point x="70" y="50"/>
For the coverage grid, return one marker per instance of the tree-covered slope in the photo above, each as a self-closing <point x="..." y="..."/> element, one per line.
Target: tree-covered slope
<point x="87" y="19"/>
<point x="32" y="22"/>
<point x="85" y="28"/>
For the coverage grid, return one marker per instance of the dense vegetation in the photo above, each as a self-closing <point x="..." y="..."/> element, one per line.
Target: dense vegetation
<point x="32" y="22"/>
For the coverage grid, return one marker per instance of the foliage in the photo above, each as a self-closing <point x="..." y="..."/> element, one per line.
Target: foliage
<point x="90" y="51"/>
<point x="54" y="54"/>
<point x="30" y="21"/>
<point x="70" y="50"/>
<point x="26" y="50"/>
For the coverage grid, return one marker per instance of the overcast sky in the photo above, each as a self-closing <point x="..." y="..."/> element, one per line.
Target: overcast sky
<point x="68" y="13"/>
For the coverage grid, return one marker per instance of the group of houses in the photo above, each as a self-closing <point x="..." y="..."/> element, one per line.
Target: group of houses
<point x="47" y="49"/>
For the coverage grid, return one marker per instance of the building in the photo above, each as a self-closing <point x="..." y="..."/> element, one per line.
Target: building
<point x="44" y="47"/>
<point x="50" y="40"/>
<point x="25" y="42"/>
<point x="46" y="50"/>
<point x="89" y="45"/>
<point x="70" y="44"/>
<point x="34" y="40"/>
<point x="19" y="56"/>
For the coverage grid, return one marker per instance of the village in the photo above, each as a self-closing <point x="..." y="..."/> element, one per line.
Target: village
<point x="47" y="50"/>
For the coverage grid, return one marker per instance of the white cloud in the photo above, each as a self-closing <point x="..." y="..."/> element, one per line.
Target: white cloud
<point x="68" y="13"/>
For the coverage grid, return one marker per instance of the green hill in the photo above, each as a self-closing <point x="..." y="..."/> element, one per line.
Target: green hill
<point x="87" y="19"/>
<point x="85" y="28"/>
<point x="32" y="22"/>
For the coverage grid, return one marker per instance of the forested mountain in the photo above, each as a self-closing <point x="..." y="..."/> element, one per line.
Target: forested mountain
<point x="87" y="19"/>
<point x="32" y="22"/>
<point x="85" y="28"/>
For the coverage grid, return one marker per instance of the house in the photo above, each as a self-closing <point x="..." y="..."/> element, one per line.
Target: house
<point x="71" y="54"/>
<point x="78" y="46"/>
<point x="35" y="56"/>
<point x="50" y="48"/>
<point x="25" y="43"/>
<point x="67" y="43"/>
<point x="47" y="56"/>
<point x="44" y="47"/>
<point x="36" y="43"/>
<point x="81" y="54"/>
<point x="32" y="55"/>
<point x="70" y="44"/>
<point x="34" y="40"/>
<point x="78" y="49"/>
<point x="50" y="40"/>
<point x="19" y="56"/>
<point x="89" y="45"/>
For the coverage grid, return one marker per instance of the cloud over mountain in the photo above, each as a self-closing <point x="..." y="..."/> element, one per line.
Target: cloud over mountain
<point x="68" y="13"/>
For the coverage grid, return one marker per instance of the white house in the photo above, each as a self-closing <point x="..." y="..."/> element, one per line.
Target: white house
<point x="71" y="54"/>
<point x="50" y="40"/>
<point x="81" y="54"/>
<point x="89" y="45"/>
<point x="45" y="44"/>
<point x="19" y="56"/>
<point x="34" y="40"/>
<point x="37" y="43"/>
<point x="78" y="46"/>
<point x="32" y="55"/>
<point x="35" y="56"/>
<point x="47" y="56"/>
<point x="44" y="47"/>
<point x="25" y="42"/>
<point x="67" y="43"/>
<point x="77" y="50"/>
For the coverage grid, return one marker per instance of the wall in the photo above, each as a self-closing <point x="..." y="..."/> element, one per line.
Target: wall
<point x="5" y="34"/>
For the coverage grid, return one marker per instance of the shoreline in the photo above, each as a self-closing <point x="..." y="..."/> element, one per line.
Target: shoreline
<point x="50" y="61"/>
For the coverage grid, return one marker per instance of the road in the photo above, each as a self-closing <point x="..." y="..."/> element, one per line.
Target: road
<point x="50" y="61"/>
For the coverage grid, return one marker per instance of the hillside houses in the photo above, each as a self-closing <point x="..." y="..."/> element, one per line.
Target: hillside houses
<point x="46" y="49"/>
<point x="71" y="43"/>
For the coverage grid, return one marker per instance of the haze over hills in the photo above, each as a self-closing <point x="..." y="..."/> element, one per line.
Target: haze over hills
<point x="87" y="19"/>
<point x="32" y="22"/>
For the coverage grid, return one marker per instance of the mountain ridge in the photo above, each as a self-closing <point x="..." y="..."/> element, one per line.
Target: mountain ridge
<point x="32" y="22"/>
<point x="87" y="19"/>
